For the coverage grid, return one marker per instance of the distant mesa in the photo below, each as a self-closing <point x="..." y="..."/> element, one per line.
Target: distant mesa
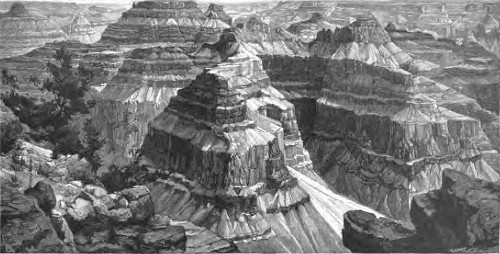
<point x="81" y="30"/>
<point x="22" y="31"/>
<point x="165" y="21"/>
<point x="308" y="29"/>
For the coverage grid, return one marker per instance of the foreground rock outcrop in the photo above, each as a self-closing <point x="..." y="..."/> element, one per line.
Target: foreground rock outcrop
<point x="22" y="31"/>
<point x="25" y="227"/>
<point x="462" y="215"/>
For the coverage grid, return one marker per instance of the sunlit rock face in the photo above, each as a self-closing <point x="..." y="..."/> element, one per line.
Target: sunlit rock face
<point x="81" y="30"/>
<point x="163" y="21"/>
<point x="235" y="162"/>
<point x="373" y="135"/>
<point x="271" y="42"/>
<point x="22" y="31"/>
<point x="363" y="40"/>
<point x="142" y="88"/>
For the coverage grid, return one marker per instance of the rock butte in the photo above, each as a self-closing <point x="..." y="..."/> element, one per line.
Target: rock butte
<point x="165" y="21"/>
<point x="81" y="30"/>
<point x="22" y="31"/>
<point x="234" y="145"/>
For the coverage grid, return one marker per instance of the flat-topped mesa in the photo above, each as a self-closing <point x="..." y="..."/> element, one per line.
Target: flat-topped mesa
<point x="157" y="21"/>
<point x="363" y="40"/>
<point x="81" y="30"/>
<point x="22" y="31"/>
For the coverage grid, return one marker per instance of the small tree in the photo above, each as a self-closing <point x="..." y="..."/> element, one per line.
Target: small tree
<point x="93" y="144"/>
<point x="9" y="80"/>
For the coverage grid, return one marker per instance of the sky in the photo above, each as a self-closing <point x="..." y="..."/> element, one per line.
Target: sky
<point x="130" y="1"/>
<point x="241" y="1"/>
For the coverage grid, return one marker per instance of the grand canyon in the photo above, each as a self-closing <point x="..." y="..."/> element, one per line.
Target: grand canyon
<point x="250" y="126"/>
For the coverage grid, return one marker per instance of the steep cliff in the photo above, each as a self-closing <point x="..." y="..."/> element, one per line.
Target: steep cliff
<point x="81" y="30"/>
<point x="460" y="216"/>
<point x="363" y="40"/>
<point x="158" y="21"/>
<point x="468" y="75"/>
<point x="22" y="31"/>
<point x="415" y="139"/>
<point x="142" y="88"/>
<point x="231" y="149"/>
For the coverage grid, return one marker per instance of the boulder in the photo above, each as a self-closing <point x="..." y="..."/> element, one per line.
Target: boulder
<point x="76" y="183"/>
<point x="142" y="209"/>
<point x="44" y="194"/>
<point x="25" y="227"/>
<point x="81" y="209"/>
<point x="96" y="191"/>
<point x="168" y="239"/>
<point x="159" y="221"/>
<point x="463" y="213"/>
<point x="120" y="214"/>
<point x="364" y="232"/>
<point x="135" y="193"/>
<point x="462" y="216"/>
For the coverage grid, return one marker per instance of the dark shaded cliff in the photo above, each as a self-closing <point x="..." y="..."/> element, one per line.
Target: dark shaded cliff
<point x="460" y="216"/>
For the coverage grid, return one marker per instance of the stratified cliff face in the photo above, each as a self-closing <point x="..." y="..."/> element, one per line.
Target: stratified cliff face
<point x="102" y="59"/>
<point x="275" y="42"/>
<point x="372" y="135"/>
<point x="470" y="75"/>
<point x="142" y="88"/>
<point x="81" y="30"/>
<point x="165" y="21"/>
<point x="461" y="216"/>
<point x="22" y="31"/>
<point x="308" y="29"/>
<point x="363" y="40"/>
<point x="230" y="143"/>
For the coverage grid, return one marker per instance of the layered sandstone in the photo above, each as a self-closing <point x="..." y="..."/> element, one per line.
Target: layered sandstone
<point x="81" y="30"/>
<point x="230" y="143"/>
<point x="382" y="167"/>
<point x="141" y="89"/>
<point x="158" y="21"/>
<point x="102" y="59"/>
<point x="22" y="31"/>
<point x="342" y="95"/>
<point x="363" y="40"/>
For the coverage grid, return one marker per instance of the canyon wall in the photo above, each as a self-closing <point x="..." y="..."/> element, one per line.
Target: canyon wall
<point x="230" y="144"/>
<point x="22" y="31"/>
<point x="374" y="134"/>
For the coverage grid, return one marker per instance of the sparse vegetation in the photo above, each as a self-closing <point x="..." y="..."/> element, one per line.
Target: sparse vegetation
<point x="50" y="119"/>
